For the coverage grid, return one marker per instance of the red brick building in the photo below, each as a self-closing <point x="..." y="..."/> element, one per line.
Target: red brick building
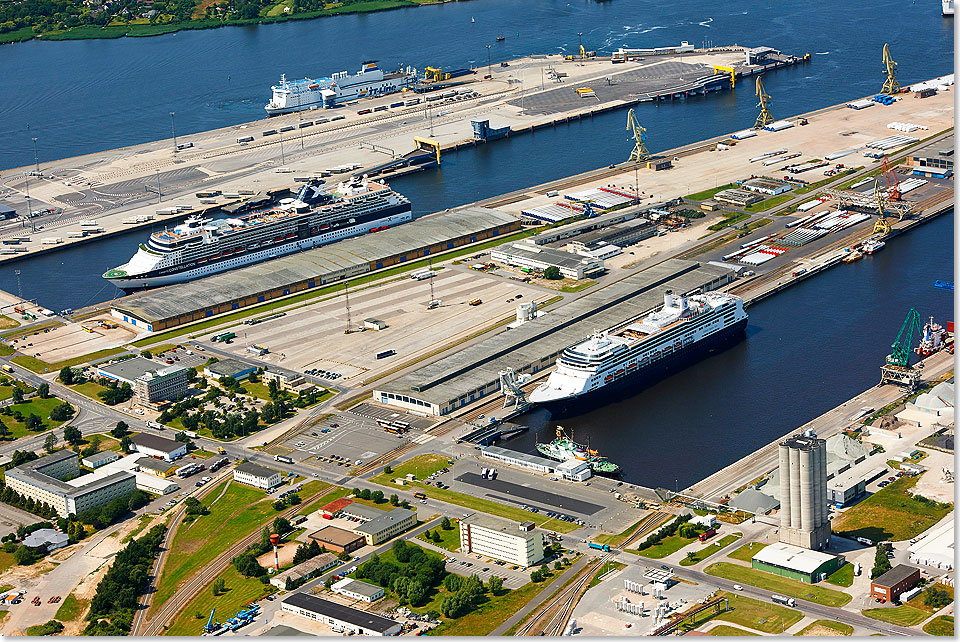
<point x="891" y="584"/>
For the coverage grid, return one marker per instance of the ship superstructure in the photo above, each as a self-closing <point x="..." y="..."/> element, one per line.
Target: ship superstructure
<point x="563" y="448"/>
<point x="296" y="95"/>
<point x="317" y="216"/>
<point x="641" y="346"/>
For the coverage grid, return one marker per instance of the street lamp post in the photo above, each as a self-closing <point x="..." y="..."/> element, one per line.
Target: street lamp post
<point x="173" y="128"/>
<point x="36" y="159"/>
<point x="282" y="161"/>
<point x="159" y="195"/>
<point x="580" y="40"/>
<point x="489" y="72"/>
<point x="300" y="126"/>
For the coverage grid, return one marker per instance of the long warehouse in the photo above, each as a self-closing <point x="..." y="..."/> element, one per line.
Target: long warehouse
<point x="450" y="383"/>
<point x="175" y="305"/>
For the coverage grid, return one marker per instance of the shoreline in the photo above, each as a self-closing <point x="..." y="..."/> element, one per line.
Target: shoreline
<point x="113" y="32"/>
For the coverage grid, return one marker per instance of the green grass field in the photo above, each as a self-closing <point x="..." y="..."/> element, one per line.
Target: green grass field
<point x="72" y="609"/>
<point x="6" y="561"/>
<point x="664" y="547"/>
<point x="778" y="584"/>
<point x="919" y="600"/>
<point x="488" y="615"/>
<point x="421" y="466"/>
<point x="746" y="552"/>
<point x="37" y="406"/>
<point x="843" y="576"/>
<point x="732" y="631"/>
<point x="235" y="515"/>
<point x="335" y="493"/>
<point x="240" y="591"/>
<point x="899" y="615"/>
<point x="449" y="540"/>
<point x="940" y="625"/>
<point x="729" y="218"/>
<point x="7" y="391"/>
<point x="890" y="514"/>
<point x="710" y="549"/>
<point x="769" y="203"/>
<point x="89" y="389"/>
<point x="757" y="615"/>
<point x="608" y="567"/>
<point x="826" y="628"/>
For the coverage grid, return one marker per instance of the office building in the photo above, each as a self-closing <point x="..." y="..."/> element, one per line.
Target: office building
<point x="500" y="539"/>
<point x="256" y="475"/>
<point x="804" y="518"/>
<point x="162" y="384"/>
<point x="386" y="525"/>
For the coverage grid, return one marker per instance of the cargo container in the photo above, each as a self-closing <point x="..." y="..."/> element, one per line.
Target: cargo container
<point x="600" y="547"/>
<point x="364" y="111"/>
<point x="245" y="139"/>
<point x="51" y="240"/>
<point x="283" y="458"/>
<point x="270" y="132"/>
<point x="386" y="353"/>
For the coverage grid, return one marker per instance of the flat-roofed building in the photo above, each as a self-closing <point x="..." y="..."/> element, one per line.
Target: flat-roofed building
<point x="302" y="572"/>
<point x="334" y="508"/>
<point x="851" y="484"/>
<point x="127" y="370"/>
<point x="519" y="459"/>
<point x="337" y="540"/>
<point x="500" y="539"/>
<point x="168" y="383"/>
<point x="387" y="525"/>
<point x="256" y="475"/>
<point x="156" y="446"/>
<point x="769" y="186"/>
<point x="737" y="197"/>
<point x="357" y="590"/>
<point x="361" y="512"/>
<point x="538" y="257"/>
<point x="339" y="617"/>
<point x="157" y="467"/>
<point x="891" y="584"/>
<point x="795" y="562"/>
<point x="100" y="459"/>
<point x="933" y="160"/>
<point x="229" y="368"/>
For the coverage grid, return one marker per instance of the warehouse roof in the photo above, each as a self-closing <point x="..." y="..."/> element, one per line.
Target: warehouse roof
<point x="333" y="507"/>
<point x="334" y="535"/>
<point x="935" y="148"/>
<point x="321" y="562"/>
<point x="46" y="537"/>
<point x="895" y="575"/>
<point x="105" y="456"/>
<point x="156" y="442"/>
<point x="795" y="558"/>
<point x="340" y="612"/>
<point x="515" y="454"/>
<point x="753" y="501"/>
<point x="546" y="337"/>
<point x="256" y="469"/>
<point x="544" y="254"/>
<point x="350" y="256"/>
<point x="129" y="369"/>
<point x="154" y="464"/>
<point x="358" y="587"/>
<point x="362" y="511"/>
<point x="378" y="524"/>
<point x="229" y="367"/>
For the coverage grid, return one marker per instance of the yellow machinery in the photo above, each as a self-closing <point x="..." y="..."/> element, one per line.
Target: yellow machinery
<point x="882" y="226"/>
<point x="765" y="117"/>
<point x="639" y="152"/>
<point x="583" y="53"/>
<point x="891" y="85"/>
<point x="434" y="74"/>
<point x="733" y="77"/>
<point x="586" y="92"/>
<point x="427" y="144"/>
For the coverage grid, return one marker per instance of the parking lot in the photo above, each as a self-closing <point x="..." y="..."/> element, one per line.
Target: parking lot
<point x="472" y="564"/>
<point x="182" y="357"/>
<point x="72" y="340"/>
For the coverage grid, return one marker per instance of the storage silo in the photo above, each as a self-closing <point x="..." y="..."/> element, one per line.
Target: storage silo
<point x="804" y="518"/>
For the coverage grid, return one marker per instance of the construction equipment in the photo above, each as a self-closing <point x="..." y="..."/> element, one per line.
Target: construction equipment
<point x="511" y="385"/>
<point x="718" y="69"/>
<point x="209" y="626"/>
<point x="893" y="183"/>
<point x="882" y="226"/>
<point x="583" y="53"/>
<point x="639" y="152"/>
<point x="891" y="85"/>
<point x="765" y="117"/>
<point x="897" y="368"/>
<point x="434" y="74"/>
<point x="428" y="144"/>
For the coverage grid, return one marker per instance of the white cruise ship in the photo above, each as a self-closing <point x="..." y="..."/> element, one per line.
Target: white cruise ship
<point x="201" y="247"/>
<point x="685" y="326"/>
<point x="296" y="95"/>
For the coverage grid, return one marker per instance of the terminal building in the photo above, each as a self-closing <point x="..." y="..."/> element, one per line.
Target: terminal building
<point x="573" y="470"/>
<point x="44" y="480"/>
<point x="538" y="257"/>
<point x="796" y="563"/>
<point x="501" y="540"/>
<point x="804" y="518"/>
<point x="473" y="373"/>
<point x="174" y="305"/>
<point x="151" y="381"/>
<point x="338" y="617"/>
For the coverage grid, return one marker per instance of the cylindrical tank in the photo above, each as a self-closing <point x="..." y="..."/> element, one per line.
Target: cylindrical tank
<point x="274" y="539"/>
<point x="822" y="495"/>
<point x="784" y="486"/>
<point x="794" y="488"/>
<point x="806" y="489"/>
<point x="819" y="490"/>
<point x="668" y="298"/>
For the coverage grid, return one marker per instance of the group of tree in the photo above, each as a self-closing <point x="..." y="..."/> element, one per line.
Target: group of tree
<point x="304" y="553"/>
<point x="61" y="412"/>
<point x="540" y="574"/>
<point x="434" y="536"/>
<point x="246" y="562"/>
<point x="293" y="499"/>
<point x="117" y="596"/>
<point x="116" y="393"/>
<point x="666" y="531"/>
<point x="375" y="496"/>
<point x="29" y="504"/>
<point x="936" y="597"/>
<point x="552" y="273"/>
<point x="114" y="510"/>
<point x="194" y="508"/>
<point x="466" y="593"/>
<point x="413" y="576"/>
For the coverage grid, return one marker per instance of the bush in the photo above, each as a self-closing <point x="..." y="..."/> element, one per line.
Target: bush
<point x="52" y="627"/>
<point x="61" y="412"/>
<point x="936" y="598"/>
<point x="552" y="273"/>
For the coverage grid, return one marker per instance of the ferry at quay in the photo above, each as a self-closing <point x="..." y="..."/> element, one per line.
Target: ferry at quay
<point x="645" y="348"/>
<point x="297" y="95"/>
<point x="317" y="216"/>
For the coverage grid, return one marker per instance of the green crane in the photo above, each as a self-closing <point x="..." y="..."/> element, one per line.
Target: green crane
<point x="900" y="356"/>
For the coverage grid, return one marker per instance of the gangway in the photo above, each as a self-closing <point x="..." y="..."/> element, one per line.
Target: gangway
<point x="378" y="148"/>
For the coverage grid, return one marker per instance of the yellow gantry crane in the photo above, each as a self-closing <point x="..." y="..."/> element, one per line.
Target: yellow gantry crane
<point x="765" y="117"/>
<point x="639" y="152"/>
<point x="882" y="226"/>
<point x="891" y="85"/>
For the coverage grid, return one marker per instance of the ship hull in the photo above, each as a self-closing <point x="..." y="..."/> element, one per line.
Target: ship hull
<point x="659" y="370"/>
<point x="152" y="280"/>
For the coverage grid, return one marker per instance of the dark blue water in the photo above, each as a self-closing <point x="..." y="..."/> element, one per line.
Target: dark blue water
<point x="807" y="350"/>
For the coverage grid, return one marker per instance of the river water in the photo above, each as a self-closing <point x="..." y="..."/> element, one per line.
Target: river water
<point x="821" y="341"/>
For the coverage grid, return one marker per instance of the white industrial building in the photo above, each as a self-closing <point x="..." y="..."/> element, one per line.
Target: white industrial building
<point x="145" y="481"/>
<point x="156" y="446"/>
<point x="537" y="257"/>
<point x="46" y="537"/>
<point x="804" y="518"/>
<point x="573" y="470"/>
<point x="339" y="617"/>
<point x="256" y="475"/>
<point x="932" y="407"/>
<point x="501" y="540"/>
<point x="936" y="548"/>
<point x="357" y="590"/>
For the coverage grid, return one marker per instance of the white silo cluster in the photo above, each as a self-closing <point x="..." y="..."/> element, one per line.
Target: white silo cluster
<point x="526" y="311"/>
<point x="624" y="605"/>
<point x="804" y="518"/>
<point x="658" y="589"/>
<point x="633" y="587"/>
<point x="660" y="613"/>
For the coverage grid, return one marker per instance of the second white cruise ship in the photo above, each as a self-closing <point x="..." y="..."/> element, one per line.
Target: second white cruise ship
<point x="641" y="348"/>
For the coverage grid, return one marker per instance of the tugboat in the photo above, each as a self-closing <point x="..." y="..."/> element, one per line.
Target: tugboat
<point x="856" y="255"/>
<point x="872" y="245"/>
<point x="564" y="448"/>
<point x="500" y="38"/>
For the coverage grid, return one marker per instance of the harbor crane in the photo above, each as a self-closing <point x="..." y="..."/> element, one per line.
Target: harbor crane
<point x="765" y="117"/>
<point x="893" y="183"/>
<point x="897" y="368"/>
<point x="891" y="85"/>
<point x="882" y="226"/>
<point x="639" y="152"/>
